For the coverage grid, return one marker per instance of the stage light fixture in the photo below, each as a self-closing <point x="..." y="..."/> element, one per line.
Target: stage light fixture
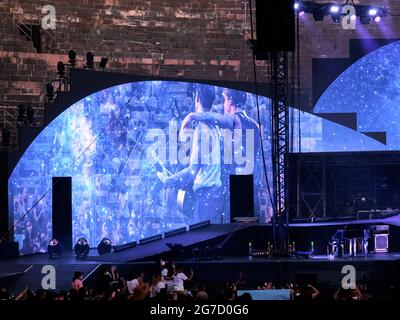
<point x="54" y="249"/>
<point x="82" y="248"/>
<point x="103" y="63"/>
<point x="60" y="68"/>
<point x="298" y="8"/>
<point x="372" y="12"/>
<point x="89" y="60"/>
<point x="72" y="57"/>
<point x="320" y="10"/>
<point x="335" y="12"/>
<point x="334" y="9"/>
<point x="104" y="246"/>
<point x="366" y="13"/>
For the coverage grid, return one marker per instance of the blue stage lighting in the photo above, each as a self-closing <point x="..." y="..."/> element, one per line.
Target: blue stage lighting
<point x="366" y="13"/>
<point x="373" y="12"/>
<point x="335" y="12"/>
<point x="334" y="9"/>
<point x="54" y="249"/>
<point x="82" y="248"/>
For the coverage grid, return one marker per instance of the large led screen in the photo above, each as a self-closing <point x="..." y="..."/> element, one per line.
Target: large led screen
<point x="145" y="158"/>
<point x="370" y="88"/>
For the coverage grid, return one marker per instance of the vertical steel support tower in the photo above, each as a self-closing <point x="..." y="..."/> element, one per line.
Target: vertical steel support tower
<point x="280" y="146"/>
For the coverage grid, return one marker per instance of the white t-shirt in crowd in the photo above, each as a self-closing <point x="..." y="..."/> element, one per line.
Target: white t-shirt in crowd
<point x="132" y="285"/>
<point x="179" y="281"/>
<point x="160" y="285"/>
<point x="169" y="284"/>
<point x="164" y="272"/>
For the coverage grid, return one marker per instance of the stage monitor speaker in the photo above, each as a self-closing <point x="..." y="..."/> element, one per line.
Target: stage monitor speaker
<point x="241" y="196"/>
<point x="62" y="211"/>
<point x="275" y="25"/>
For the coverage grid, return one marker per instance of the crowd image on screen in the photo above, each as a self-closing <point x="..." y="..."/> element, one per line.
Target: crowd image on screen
<point x="101" y="142"/>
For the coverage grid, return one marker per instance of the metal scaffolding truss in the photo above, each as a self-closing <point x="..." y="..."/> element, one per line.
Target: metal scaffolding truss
<point x="280" y="143"/>
<point x="344" y="185"/>
<point x="312" y="189"/>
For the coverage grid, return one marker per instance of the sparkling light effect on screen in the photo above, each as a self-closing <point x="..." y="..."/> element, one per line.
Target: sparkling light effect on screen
<point x="371" y="88"/>
<point x="115" y="189"/>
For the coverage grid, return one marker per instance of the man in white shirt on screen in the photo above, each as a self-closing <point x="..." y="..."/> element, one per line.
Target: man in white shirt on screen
<point x="203" y="173"/>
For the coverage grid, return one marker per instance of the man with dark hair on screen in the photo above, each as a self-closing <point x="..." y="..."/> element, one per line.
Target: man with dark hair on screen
<point x="235" y="118"/>
<point x="204" y="170"/>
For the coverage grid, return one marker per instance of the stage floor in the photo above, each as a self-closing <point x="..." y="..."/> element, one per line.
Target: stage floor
<point x="216" y="234"/>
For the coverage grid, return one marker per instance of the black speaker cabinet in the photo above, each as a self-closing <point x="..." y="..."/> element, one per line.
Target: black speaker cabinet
<point x="241" y="196"/>
<point x="62" y="211"/>
<point x="275" y="25"/>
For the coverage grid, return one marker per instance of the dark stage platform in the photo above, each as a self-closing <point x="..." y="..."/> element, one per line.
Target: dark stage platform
<point x="233" y="239"/>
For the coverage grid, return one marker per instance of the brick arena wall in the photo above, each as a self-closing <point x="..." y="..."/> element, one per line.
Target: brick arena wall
<point x="201" y="39"/>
